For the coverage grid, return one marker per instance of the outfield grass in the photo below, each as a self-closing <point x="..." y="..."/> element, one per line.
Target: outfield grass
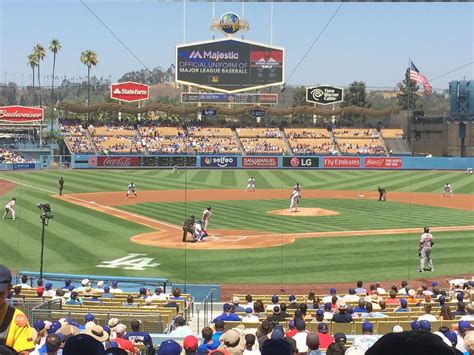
<point x="78" y="239"/>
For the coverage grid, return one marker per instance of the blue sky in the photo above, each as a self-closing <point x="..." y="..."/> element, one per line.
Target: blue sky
<point x="366" y="41"/>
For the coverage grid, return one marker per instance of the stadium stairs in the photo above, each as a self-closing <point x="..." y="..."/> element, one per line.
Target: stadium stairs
<point x="333" y="139"/>
<point x="237" y="138"/>
<point x="398" y="146"/>
<point x="382" y="141"/>
<point x="287" y="143"/>
<point x="89" y="137"/>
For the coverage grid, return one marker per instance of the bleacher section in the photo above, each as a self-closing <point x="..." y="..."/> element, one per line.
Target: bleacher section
<point x="76" y="139"/>
<point x="358" y="141"/>
<point x="116" y="139"/>
<point x="310" y="141"/>
<point x="262" y="140"/>
<point x="8" y="156"/>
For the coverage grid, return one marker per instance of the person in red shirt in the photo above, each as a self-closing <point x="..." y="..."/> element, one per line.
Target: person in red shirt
<point x="123" y="343"/>
<point x="392" y="297"/>
<point x="325" y="339"/>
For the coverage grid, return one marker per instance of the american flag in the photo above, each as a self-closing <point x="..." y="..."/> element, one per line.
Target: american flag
<point x="415" y="75"/>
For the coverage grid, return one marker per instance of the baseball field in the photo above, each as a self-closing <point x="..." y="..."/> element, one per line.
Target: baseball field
<point x="341" y="233"/>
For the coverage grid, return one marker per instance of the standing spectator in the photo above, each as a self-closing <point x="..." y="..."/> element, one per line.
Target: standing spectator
<point x="120" y="339"/>
<point x="18" y="332"/>
<point x="137" y="336"/>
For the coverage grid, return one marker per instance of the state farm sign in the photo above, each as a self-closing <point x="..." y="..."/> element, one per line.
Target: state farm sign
<point x="341" y="162"/>
<point x="118" y="162"/>
<point x="383" y="163"/>
<point x="21" y="114"/>
<point x="130" y="91"/>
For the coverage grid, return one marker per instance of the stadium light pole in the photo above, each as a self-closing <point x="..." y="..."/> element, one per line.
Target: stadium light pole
<point x="45" y="217"/>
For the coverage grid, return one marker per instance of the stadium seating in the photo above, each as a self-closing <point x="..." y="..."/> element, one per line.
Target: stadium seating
<point x="392" y="133"/>
<point x="358" y="141"/>
<point x="8" y="156"/>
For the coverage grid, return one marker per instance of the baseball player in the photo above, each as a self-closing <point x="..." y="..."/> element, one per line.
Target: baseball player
<point x="382" y="194"/>
<point x="188" y="227"/>
<point x="297" y="187"/>
<point x="424" y="252"/>
<point x="447" y="189"/>
<point x="206" y="216"/>
<point x="10" y="207"/>
<point x="199" y="232"/>
<point x="175" y="169"/>
<point x="250" y="184"/>
<point x="469" y="171"/>
<point x="131" y="190"/>
<point x="61" y="185"/>
<point x="294" y="200"/>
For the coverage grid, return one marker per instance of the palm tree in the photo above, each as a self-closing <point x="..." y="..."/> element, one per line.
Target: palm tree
<point x="54" y="47"/>
<point x="33" y="62"/>
<point x="89" y="59"/>
<point x="40" y="54"/>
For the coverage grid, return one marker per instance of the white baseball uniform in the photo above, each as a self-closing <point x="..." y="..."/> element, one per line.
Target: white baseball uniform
<point x="131" y="190"/>
<point x="206" y="216"/>
<point x="10" y="207"/>
<point x="448" y="189"/>
<point x="294" y="200"/>
<point x="426" y="242"/>
<point x="250" y="184"/>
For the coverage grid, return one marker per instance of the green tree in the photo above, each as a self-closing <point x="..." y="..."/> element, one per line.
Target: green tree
<point x="356" y="95"/>
<point x="54" y="47"/>
<point x="408" y="97"/>
<point x="33" y="63"/>
<point x="299" y="97"/>
<point x="89" y="59"/>
<point x="40" y="53"/>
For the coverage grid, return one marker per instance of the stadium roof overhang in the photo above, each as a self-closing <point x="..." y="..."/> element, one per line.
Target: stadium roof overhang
<point x="225" y="111"/>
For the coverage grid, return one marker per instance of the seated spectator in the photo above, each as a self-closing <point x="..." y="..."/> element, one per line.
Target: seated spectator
<point x="275" y="302"/>
<point x="276" y="315"/>
<point x="371" y="314"/>
<point x="263" y="332"/>
<point x="249" y="345"/>
<point x="293" y="304"/>
<point x="159" y="294"/>
<point x="460" y="310"/>
<point x="120" y="339"/>
<point x="137" y="336"/>
<point x="403" y="306"/>
<point x="341" y="316"/>
<point x="360" y="290"/>
<point x="313" y="344"/>
<point x="335" y="349"/>
<point x="228" y="314"/>
<point x="283" y="313"/>
<point x="53" y="344"/>
<point x="207" y="342"/>
<point x="115" y="288"/>
<point x="325" y="339"/>
<point x="360" y="308"/>
<point x="332" y="292"/>
<point x="470" y="313"/>
<point x="249" y="317"/>
<point x="351" y="296"/>
<point x="392" y="297"/>
<point x="24" y="283"/>
<point x="427" y="316"/>
<point x="176" y="294"/>
<point x="180" y="328"/>
<point x="366" y="340"/>
<point x="130" y="302"/>
<point x="425" y="325"/>
<point x="107" y="293"/>
<point x="74" y="299"/>
<point x="190" y="345"/>
<point x="327" y="311"/>
<point x="236" y="302"/>
<point x="300" y="336"/>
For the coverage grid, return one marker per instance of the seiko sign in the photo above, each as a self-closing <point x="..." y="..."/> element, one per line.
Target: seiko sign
<point x="21" y="114"/>
<point x="324" y="95"/>
<point x="129" y="91"/>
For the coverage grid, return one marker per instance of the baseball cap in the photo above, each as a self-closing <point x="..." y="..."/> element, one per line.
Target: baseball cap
<point x="340" y="337"/>
<point x="106" y="289"/>
<point x="425" y="325"/>
<point x="120" y="328"/>
<point x="227" y="307"/>
<point x="100" y="284"/>
<point x="434" y="283"/>
<point x="319" y="312"/>
<point x="452" y="337"/>
<point x="114" y="283"/>
<point x="442" y="300"/>
<point x="292" y="298"/>
<point x="169" y="347"/>
<point x="367" y="327"/>
<point x="464" y="325"/>
<point x="5" y="277"/>
<point x="327" y="306"/>
<point x="142" y="290"/>
<point x="235" y="299"/>
<point x="84" y="282"/>
<point x="277" y="334"/>
<point x="248" y="310"/>
<point x="275" y="298"/>
<point x="54" y="327"/>
<point x="403" y="302"/>
<point x="190" y="343"/>
<point x="48" y="286"/>
<point x="355" y="350"/>
<point x="230" y="338"/>
<point x="89" y="317"/>
<point x="159" y="289"/>
<point x="332" y="291"/>
<point x="415" y="325"/>
<point x="39" y="325"/>
<point x="323" y="328"/>
<point x="397" y="329"/>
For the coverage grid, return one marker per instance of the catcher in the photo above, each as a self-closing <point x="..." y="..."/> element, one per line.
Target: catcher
<point x="188" y="227"/>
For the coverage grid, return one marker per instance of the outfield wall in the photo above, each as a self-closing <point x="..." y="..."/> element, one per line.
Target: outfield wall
<point x="269" y="162"/>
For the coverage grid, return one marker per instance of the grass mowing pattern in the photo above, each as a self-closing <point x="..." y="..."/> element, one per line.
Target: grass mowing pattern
<point x="354" y="215"/>
<point x="78" y="238"/>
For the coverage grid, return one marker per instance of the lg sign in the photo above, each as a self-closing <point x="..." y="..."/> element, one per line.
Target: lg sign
<point x="130" y="91"/>
<point x="300" y="162"/>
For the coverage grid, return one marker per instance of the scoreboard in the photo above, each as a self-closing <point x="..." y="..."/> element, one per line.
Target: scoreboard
<point x="168" y="161"/>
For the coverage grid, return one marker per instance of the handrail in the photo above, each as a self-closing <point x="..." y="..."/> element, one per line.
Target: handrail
<point x="205" y="306"/>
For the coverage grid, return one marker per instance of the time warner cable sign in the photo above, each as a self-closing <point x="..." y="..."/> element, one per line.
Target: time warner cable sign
<point x="324" y="95"/>
<point x="229" y="65"/>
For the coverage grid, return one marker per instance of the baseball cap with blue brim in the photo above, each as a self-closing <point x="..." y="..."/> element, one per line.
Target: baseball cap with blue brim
<point x="5" y="278"/>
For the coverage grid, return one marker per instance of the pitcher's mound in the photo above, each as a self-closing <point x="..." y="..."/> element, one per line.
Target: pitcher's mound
<point x="304" y="212"/>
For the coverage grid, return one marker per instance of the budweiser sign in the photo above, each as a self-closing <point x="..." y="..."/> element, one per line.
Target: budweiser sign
<point x="130" y="91"/>
<point x="383" y="163"/>
<point x="118" y="162"/>
<point x="21" y="114"/>
<point x="341" y="162"/>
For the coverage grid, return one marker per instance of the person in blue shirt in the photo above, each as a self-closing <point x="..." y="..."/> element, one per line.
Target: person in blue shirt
<point x="403" y="306"/>
<point x="360" y="308"/>
<point x="207" y="342"/>
<point x="228" y="315"/>
<point x="107" y="293"/>
<point x="137" y="336"/>
<point x="219" y="326"/>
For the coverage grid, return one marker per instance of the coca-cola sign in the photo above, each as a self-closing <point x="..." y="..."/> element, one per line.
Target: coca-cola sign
<point x="21" y="114"/>
<point x="118" y="161"/>
<point x="383" y="163"/>
<point x="130" y="91"/>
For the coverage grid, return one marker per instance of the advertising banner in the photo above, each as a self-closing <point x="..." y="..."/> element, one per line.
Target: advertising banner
<point x="129" y="91"/>
<point x="21" y="114"/>
<point x="92" y="161"/>
<point x="170" y="160"/>
<point x="229" y="65"/>
<point x="342" y="162"/>
<point x="18" y="166"/>
<point x="300" y="162"/>
<point x="383" y="163"/>
<point x="324" y="95"/>
<point x="259" y="162"/>
<point x="222" y="98"/>
<point x="117" y="161"/>
<point x="223" y="161"/>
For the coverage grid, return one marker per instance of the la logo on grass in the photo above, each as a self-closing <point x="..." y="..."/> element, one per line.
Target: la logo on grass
<point x="132" y="261"/>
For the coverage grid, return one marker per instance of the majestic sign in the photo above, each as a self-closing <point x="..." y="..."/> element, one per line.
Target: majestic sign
<point x="229" y="65"/>
<point x="260" y="162"/>
<point x="383" y="163"/>
<point x="21" y="114"/>
<point x="342" y="162"/>
<point x="324" y="95"/>
<point x="129" y="91"/>
<point x="222" y="161"/>
<point x="300" y="162"/>
<point x="117" y="161"/>
<point x="221" y="98"/>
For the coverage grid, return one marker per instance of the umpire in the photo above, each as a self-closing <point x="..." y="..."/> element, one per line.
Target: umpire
<point x="382" y="194"/>
<point x="188" y="227"/>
